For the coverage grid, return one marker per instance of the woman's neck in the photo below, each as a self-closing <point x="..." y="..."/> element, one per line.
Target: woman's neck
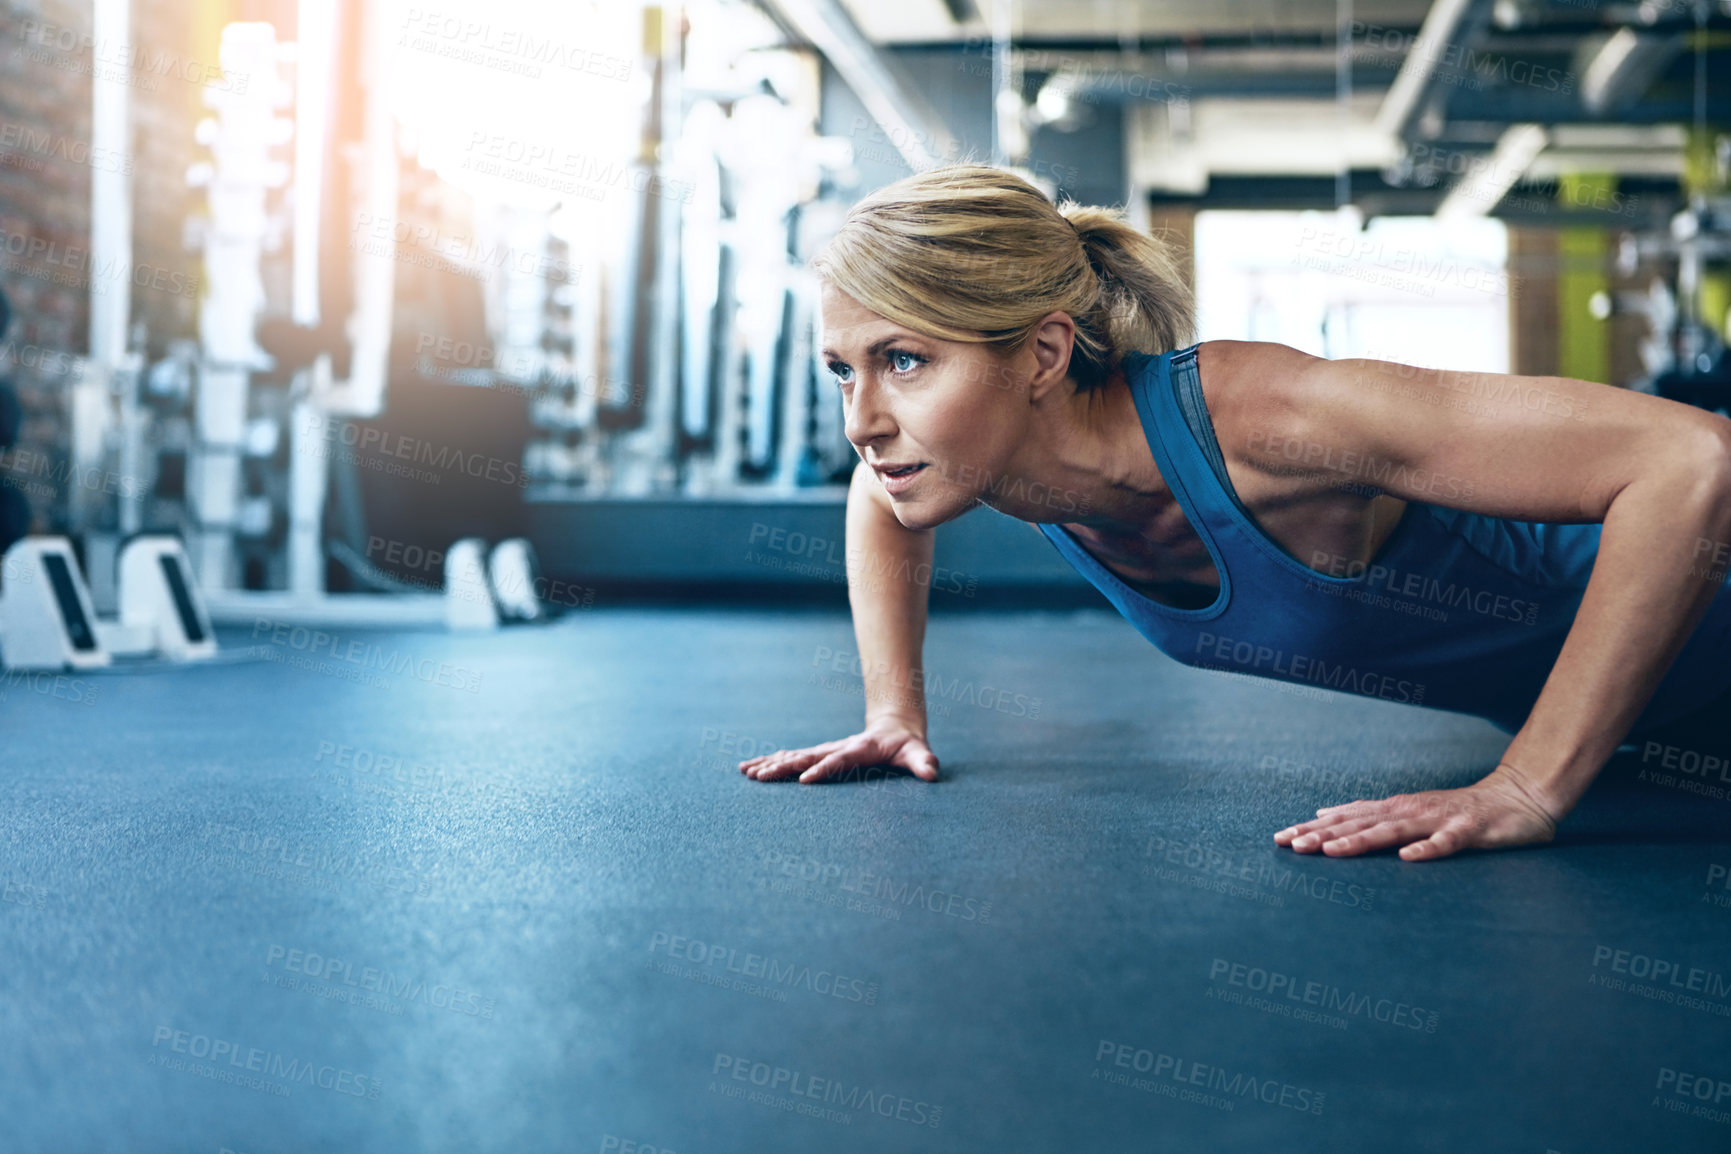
<point x="1090" y="448"/>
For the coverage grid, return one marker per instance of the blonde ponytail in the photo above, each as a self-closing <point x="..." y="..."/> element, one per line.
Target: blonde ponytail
<point x="1143" y="305"/>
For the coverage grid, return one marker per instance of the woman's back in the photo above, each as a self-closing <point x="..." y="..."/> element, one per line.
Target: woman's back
<point x="1443" y="608"/>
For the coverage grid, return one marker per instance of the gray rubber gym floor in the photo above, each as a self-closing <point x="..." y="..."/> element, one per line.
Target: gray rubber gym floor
<point x="509" y="893"/>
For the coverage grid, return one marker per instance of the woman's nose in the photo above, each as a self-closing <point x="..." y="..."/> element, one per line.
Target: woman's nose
<point x="867" y="417"/>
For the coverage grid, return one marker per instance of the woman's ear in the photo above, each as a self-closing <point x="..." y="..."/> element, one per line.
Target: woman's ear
<point x="1051" y="343"/>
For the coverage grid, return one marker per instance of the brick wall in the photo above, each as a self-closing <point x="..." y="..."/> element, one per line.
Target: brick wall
<point x="46" y="161"/>
<point x="44" y="224"/>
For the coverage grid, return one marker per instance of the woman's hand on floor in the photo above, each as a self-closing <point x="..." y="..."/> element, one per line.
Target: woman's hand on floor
<point x="888" y="741"/>
<point x="1498" y="812"/>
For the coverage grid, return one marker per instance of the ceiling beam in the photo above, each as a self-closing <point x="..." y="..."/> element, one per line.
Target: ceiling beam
<point x="907" y="118"/>
<point x="1449" y="28"/>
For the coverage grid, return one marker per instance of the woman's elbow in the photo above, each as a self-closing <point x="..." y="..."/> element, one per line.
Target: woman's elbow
<point x="1704" y="462"/>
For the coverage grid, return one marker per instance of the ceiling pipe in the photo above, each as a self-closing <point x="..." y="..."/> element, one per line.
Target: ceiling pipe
<point x="911" y="123"/>
<point x="1624" y="67"/>
<point x="1450" y="23"/>
<point x="1479" y="191"/>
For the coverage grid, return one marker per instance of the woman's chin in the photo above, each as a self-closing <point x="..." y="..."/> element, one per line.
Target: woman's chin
<point x="919" y="515"/>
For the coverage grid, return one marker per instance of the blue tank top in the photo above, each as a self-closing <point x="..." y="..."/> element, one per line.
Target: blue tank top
<point x="1458" y="611"/>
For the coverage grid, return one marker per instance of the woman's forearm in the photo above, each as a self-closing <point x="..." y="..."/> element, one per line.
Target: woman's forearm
<point x="1648" y="591"/>
<point x="887" y="565"/>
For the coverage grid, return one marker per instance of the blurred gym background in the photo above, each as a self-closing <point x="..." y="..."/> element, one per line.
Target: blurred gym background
<point x="353" y="299"/>
<point x="323" y="288"/>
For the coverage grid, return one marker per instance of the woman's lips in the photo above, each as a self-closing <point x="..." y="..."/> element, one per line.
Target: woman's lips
<point x="897" y="480"/>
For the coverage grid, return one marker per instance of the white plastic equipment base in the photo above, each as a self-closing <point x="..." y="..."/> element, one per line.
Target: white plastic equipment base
<point x="468" y="596"/>
<point x="47" y="620"/>
<point x="516" y="576"/>
<point x="159" y="596"/>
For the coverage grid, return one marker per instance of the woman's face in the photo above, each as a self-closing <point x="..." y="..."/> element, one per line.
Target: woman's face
<point x="953" y="412"/>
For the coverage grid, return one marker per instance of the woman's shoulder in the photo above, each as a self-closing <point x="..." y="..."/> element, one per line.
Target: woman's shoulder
<point x="1252" y="385"/>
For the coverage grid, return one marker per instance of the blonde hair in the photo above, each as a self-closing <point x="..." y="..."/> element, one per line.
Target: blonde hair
<point x="967" y="252"/>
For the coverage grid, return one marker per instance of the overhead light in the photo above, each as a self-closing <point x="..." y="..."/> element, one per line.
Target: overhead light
<point x="1477" y="192"/>
<point x="1625" y="66"/>
<point x="1053" y="102"/>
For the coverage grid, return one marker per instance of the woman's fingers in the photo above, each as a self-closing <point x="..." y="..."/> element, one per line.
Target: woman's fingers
<point x="821" y="762"/>
<point x="1442" y="843"/>
<point x="1376" y="835"/>
<point x="832" y="763"/>
<point x="793" y="762"/>
<point x="1348" y="807"/>
<point x="764" y="759"/>
<point x="1490" y="814"/>
<point x="1316" y="825"/>
<point x="921" y="762"/>
<point x="1328" y="830"/>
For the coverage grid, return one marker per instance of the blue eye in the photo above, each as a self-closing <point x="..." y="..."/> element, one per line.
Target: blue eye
<point x="898" y="356"/>
<point x="841" y="372"/>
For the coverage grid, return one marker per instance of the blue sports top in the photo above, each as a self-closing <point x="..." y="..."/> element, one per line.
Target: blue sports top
<point x="1458" y="611"/>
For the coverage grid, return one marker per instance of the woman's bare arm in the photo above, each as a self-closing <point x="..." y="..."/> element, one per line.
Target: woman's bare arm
<point x="884" y="560"/>
<point x="1656" y="474"/>
<point x="888" y="591"/>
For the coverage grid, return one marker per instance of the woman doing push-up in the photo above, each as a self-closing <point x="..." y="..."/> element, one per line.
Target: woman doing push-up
<point x="1549" y="554"/>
